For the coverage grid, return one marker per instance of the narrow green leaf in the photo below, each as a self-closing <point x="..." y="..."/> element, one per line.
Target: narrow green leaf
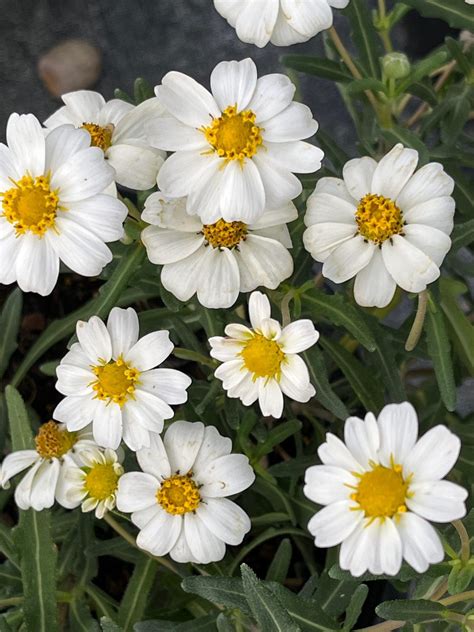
<point x="461" y="328"/>
<point x="202" y="624"/>
<point x="365" y="36"/>
<point x="134" y="601"/>
<point x="306" y="613"/>
<point x="10" y="320"/>
<point x="319" y="379"/>
<point x="325" y="68"/>
<point x="462" y="235"/>
<point x="361" y="85"/>
<point x="142" y="90"/>
<point x="278" y="569"/>
<point x="7" y="546"/>
<point x="335" y="309"/>
<point x="459" y="579"/>
<point x="80" y="618"/>
<point x="415" y="611"/>
<point x="334" y="595"/>
<point x="277" y="435"/>
<point x="355" y="607"/>
<point x="439" y="349"/>
<point x="225" y="591"/>
<point x="267" y="610"/>
<point x="384" y="358"/>
<point x="457" y="13"/>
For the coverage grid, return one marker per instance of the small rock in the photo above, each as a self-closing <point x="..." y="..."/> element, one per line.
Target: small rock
<point x="72" y="65"/>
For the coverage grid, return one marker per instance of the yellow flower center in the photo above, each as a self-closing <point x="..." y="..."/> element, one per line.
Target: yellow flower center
<point x="31" y="205"/>
<point x="234" y="135"/>
<point x="101" y="137"/>
<point x="223" y="234"/>
<point x="382" y="492"/>
<point x="101" y="481"/>
<point x="115" y="382"/>
<point x="262" y="357"/>
<point x="53" y="442"/>
<point x="378" y="218"/>
<point x="179" y="494"/>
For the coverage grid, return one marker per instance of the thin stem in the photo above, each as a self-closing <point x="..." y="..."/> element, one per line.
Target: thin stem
<point x="285" y="308"/>
<point x="464" y="537"/>
<point x="417" y="327"/>
<point x="131" y="540"/>
<point x="439" y="592"/>
<point x="386" y="626"/>
<point x="384" y="34"/>
<point x="444" y="76"/>
<point x="465" y="596"/>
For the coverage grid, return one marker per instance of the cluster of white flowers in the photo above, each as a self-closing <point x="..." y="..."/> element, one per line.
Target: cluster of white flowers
<point x="218" y="226"/>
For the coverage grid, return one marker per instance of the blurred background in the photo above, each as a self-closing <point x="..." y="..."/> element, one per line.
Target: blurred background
<point x="120" y="40"/>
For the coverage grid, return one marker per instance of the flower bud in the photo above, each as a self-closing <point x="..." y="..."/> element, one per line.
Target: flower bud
<point x="395" y="65"/>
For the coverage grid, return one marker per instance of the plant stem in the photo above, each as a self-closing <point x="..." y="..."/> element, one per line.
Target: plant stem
<point x="285" y="308"/>
<point x="444" y="76"/>
<point x="384" y="34"/>
<point x="417" y="327"/>
<point x="386" y="626"/>
<point x="465" y="596"/>
<point x="464" y="537"/>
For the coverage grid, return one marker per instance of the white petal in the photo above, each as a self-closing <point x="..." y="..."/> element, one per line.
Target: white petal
<point x="394" y="171"/>
<point x="348" y="259"/>
<point x="123" y="329"/>
<point x="433" y="455"/>
<point x="259" y="309"/>
<point x="284" y="35"/>
<point x="439" y="501"/>
<point x="134" y="434"/>
<point x="94" y="339"/>
<point x="160" y="534"/>
<point x="262" y="261"/>
<point x="335" y="187"/>
<point x="147" y="410"/>
<point x="362" y="439"/>
<point x="170" y="213"/>
<point x="113" y="112"/>
<point x="321" y="240"/>
<point x="15" y="463"/>
<point x="102" y="215"/>
<point x="431" y="241"/>
<point x="86" y="173"/>
<point x="224" y="349"/>
<point x="374" y="287"/>
<point x="231" y="373"/>
<point x="298" y="336"/>
<point x="185" y="171"/>
<point x="219" y="280"/>
<point x="327" y="484"/>
<point x="398" y="427"/>
<point x="255" y="21"/>
<point x="276" y="217"/>
<point x="308" y="17"/>
<point x="170" y="134"/>
<point x="429" y="182"/>
<point x="84" y="105"/>
<point x="238" y="331"/>
<point x="323" y="207"/>
<point x="168" y="384"/>
<point x="294" y="379"/>
<point x="437" y="213"/>
<point x="26" y="140"/>
<point x="136" y="166"/>
<point x="224" y="519"/>
<point x="8" y="167"/>
<point x="9" y="248"/>
<point x="75" y="412"/>
<point x="44" y="485"/>
<point x="186" y="99"/>
<point x="334" y="452"/>
<point x="390" y="548"/>
<point x="165" y="246"/>
<point x="62" y="143"/>
<point x="182" y="442"/>
<point x="358" y="174"/>
<point x="142" y="517"/>
<point x="107" y="426"/>
<point x="37" y="265"/>
<point x="233" y="83"/>
<point x="296" y="156"/>
<point x="24" y="487"/>
<point x="294" y="123"/>
<point x="270" y="398"/>
<point x="181" y="551"/>
<point x="136" y="491"/>
<point x="204" y="546"/>
<point x="280" y="184"/>
<point x="213" y="446"/>
<point x="73" y="380"/>
<point x="334" y="523"/>
<point x="225" y="476"/>
<point x="154" y="459"/>
<point x="358" y="550"/>
<point x="411" y="269"/>
<point x="132" y="126"/>
<point x="62" y="116"/>
<point x="272" y="95"/>
<point x="420" y="542"/>
<point x="150" y="351"/>
<point x="181" y="278"/>
<point x="242" y="195"/>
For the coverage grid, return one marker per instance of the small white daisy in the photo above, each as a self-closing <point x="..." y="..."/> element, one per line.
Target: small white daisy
<point x="281" y="22"/>
<point x="109" y="379"/>
<point x="55" y="449"/>
<point x="383" y="223"/>
<point x="93" y="482"/>
<point x="51" y="205"/>
<point x="263" y="362"/>
<point x="380" y="489"/>
<point x="236" y="150"/>
<point x="179" y="500"/>
<point x="117" y="128"/>
<point x="216" y="261"/>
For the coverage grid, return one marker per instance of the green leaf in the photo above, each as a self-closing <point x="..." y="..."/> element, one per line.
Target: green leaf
<point x="459" y="579"/>
<point x="277" y="435"/>
<point x="134" y="601"/>
<point x="142" y="90"/>
<point x="457" y="13"/>
<point x="325" y="68"/>
<point x="7" y="546"/>
<point x="355" y="607"/>
<point x="278" y="569"/>
<point x="364" y="36"/>
<point x="202" y="624"/>
<point x="335" y="309"/>
<point x="359" y="376"/>
<point x="108" y="625"/>
<point x="423" y="69"/>
<point x="225" y="591"/>
<point x="439" y="349"/>
<point x="384" y="358"/>
<point x="457" y="52"/>
<point x="459" y="102"/>
<point x="461" y="328"/>
<point x="267" y="610"/>
<point x="334" y="595"/>
<point x="305" y="612"/>
<point x="414" y="611"/>
<point x="319" y="379"/>
<point x="361" y="85"/>
<point x="10" y="320"/>
<point x="462" y="235"/>
<point x="32" y="537"/>
<point x="80" y="618"/>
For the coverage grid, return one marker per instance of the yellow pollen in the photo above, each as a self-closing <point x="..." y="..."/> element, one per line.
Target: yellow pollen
<point x="101" y="137"/>
<point x="382" y="492"/>
<point x="31" y="205"/>
<point x="115" y="382"/>
<point x="53" y="442"/>
<point x="179" y="494"/>
<point x="262" y="357"/>
<point x="234" y="135"/>
<point x="378" y="218"/>
<point x="223" y="234"/>
<point x="101" y="481"/>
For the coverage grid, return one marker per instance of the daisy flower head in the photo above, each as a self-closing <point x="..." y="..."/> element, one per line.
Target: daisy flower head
<point x="380" y="488"/>
<point x="55" y="449"/>
<point x="108" y="378"/>
<point x="263" y="362"/>
<point x="219" y="260"/>
<point x="51" y="205"/>
<point x="93" y="481"/>
<point x="237" y="149"/>
<point x="118" y="129"/>
<point x="179" y="500"/>
<point x="382" y="223"/>
<point x="281" y="22"/>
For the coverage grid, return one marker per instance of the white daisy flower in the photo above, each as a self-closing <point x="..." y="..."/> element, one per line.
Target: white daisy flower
<point x="179" y="500"/>
<point x="381" y="488"/>
<point x="55" y="449"/>
<point x="383" y="223"/>
<point x="237" y="148"/>
<point x="263" y="362"/>
<point x="51" y="205"/>
<point x="109" y="379"/>
<point x="117" y="128"/>
<point x="216" y="261"/>
<point x="93" y="482"/>
<point x="281" y="22"/>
